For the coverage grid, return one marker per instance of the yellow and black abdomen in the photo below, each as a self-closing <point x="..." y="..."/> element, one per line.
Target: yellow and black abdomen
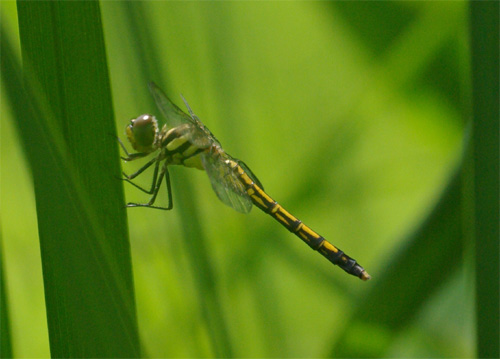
<point x="294" y="225"/>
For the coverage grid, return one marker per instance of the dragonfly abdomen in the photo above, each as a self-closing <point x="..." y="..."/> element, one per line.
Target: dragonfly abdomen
<point x="262" y="200"/>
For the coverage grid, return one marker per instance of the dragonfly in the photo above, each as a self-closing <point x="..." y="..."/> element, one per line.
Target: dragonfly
<point x="185" y="140"/>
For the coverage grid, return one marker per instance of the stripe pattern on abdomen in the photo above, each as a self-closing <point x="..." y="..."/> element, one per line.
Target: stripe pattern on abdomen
<point x="262" y="200"/>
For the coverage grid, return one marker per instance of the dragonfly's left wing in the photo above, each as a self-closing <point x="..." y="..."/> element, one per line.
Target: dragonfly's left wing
<point x="226" y="185"/>
<point x="173" y="114"/>
<point x="196" y="132"/>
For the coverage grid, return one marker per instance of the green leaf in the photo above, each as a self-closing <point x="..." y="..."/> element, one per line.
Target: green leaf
<point x="5" y="336"/>
<point x="65" y="121"/>
<point x="485" y="92"/>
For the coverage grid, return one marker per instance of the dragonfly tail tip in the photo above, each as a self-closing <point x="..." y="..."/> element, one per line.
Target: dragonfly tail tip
<point x="364" y="276"/>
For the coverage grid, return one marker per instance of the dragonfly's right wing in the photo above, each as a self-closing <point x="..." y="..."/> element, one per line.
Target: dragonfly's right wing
<point x="226" y="185"/>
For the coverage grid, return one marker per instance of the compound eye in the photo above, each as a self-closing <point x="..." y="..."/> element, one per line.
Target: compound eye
<point x="142" y="133"/>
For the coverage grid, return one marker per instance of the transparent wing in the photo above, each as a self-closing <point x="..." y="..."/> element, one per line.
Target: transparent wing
<point x="226" y="185"/>
<point x="196" y="132"/>
<point x="173" y="114"/>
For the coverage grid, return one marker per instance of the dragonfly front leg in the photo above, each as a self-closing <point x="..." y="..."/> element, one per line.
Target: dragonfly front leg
<point x="163" y="174"/>
<point x="142" y="169"/>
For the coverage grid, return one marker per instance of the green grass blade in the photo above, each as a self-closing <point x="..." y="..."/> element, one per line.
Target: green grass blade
<point x="5" y="338"/>
<point x="485" y="93"/>
<point x="65" y="121"/>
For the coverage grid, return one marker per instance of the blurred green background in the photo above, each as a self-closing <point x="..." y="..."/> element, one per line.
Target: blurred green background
<point x="351" y="115"/>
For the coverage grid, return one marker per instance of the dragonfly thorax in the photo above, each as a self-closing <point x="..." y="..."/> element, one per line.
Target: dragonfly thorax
<point x="142" y="133"/>
<point x="177" y="147"/>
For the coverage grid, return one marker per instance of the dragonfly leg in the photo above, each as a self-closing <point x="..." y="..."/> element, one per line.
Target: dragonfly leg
<point x="163" y="173"/>
<point x="142" y="169"/>
<point x="169" y="189"/>
<point x="155" y="177"/>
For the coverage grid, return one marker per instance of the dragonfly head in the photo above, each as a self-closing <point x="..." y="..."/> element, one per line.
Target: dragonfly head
<point x="142" y="133"/>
